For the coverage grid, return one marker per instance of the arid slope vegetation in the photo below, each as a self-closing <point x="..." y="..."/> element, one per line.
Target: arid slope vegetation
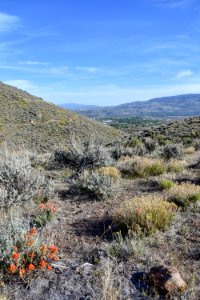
<point x="90" y="222"/>
<point x="36" y="124"/>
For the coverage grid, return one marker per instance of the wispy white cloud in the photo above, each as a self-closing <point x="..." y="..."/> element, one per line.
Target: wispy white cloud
<point x="46" y="68"/>
<point x="39" y="69"/>
<point x="87" y="69"/>
<point x="33" y="63"/>
<point x="8" y="22"/>
<point x="184" y="73"/>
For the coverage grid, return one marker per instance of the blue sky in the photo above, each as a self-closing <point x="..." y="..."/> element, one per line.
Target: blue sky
<point x="101" y="52"/>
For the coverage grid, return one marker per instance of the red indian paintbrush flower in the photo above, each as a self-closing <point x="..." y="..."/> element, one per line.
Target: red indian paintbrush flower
<point x="22" y="271"/>
<point x="12" y="268"/>
<point x="43" y="264"/>
<point x="31" y="267"/>
<point x="53" y="249"/>
<point x="15" y="256"/>
<point x="43" y="248"/>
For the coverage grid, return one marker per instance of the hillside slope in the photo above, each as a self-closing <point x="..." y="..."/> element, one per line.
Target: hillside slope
<point x="180" y="131"/>
<point x="175" y="106"/>
<point x="29" y="121"/>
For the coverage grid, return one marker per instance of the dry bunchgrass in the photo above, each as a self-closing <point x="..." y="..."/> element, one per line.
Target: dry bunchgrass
<point x="144" y="167"/>
<point x="146" y="213"/>
<point x="189" y="150"/>
<point x="2" y="297"/>
<point x="175" y="166"/>
<point x="110" y="171"/>
<point x="133" y="246"/>
<point x="141" y="167"/>
<point x="184" y="195"/>
<point x="111" y="288"/>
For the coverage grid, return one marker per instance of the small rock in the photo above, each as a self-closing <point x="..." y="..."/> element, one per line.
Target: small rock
<point x="85" y="269"/>
<point x="167" y="280"/>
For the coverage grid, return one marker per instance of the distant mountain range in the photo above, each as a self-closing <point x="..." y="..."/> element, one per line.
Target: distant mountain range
<point x="174" y="106"/>
<point x="77" y="107"/>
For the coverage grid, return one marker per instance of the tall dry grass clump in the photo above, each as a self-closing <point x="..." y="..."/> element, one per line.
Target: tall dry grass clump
<point x="111" y="281"/>
<point x="189" y="150"/>
<point x="144" y="167"/>
<point x="184" y="195"/>
<point x="146" y="214"/>
<point x="140" y="167"/>
<point x="110" y="171"/>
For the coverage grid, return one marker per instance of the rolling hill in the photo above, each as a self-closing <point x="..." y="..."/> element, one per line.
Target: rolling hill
<point x="174" y="106"/>
<point x="35" y="124"/>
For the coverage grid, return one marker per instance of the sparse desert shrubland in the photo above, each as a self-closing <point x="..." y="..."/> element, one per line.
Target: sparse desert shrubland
<point x="98" y="220"/>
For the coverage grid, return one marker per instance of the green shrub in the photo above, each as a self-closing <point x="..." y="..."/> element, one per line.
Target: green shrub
<point x="155" y="169"/>
<point x="166" y="184"/>
<point x="139" y="150"/>
<point x="19" y="182"/>
<point x="150" y="145"/>
<point x="82" y="156"/>
<point x="120" y="151"/>
<point x="197" y="144"/>
<point x="134" y="142"/>
<point x="172" y="151"/>
<point x="99" y="184"/>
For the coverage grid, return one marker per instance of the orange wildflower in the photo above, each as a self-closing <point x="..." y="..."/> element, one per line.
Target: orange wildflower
<point x="12" y="268"/>
<point x="31" y="267"/>
<point x="49" y="268"/>
<point x="15" y="256"/>
<point x="42" y="206"/>
<point x="53" y="249"/>
<point x="43" y="264"/>
<point x="22" y="271"/>
<point x="43" y="248"/>
<point x="32" y="231"/>
<point x="50" y="256"/>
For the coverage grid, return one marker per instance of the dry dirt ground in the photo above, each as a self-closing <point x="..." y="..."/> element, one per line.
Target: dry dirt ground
<point x="87" y="270"/>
